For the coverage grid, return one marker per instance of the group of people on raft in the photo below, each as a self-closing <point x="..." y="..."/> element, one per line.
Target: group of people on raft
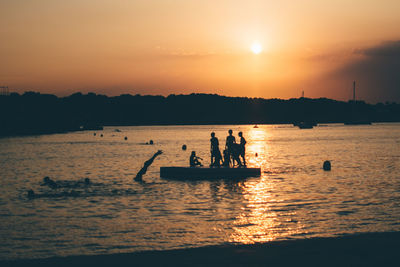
<point x="233" y="154"/>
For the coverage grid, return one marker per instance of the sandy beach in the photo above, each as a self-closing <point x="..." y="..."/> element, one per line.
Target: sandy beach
<point x="373" y="249"/>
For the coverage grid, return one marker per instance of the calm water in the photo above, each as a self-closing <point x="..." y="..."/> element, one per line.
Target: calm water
<point x="294" y="198"/>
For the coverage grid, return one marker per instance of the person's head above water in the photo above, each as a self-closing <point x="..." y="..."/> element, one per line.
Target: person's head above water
<point x="212" y="134"/>
<point x="230" y="132"/>
<point x="240" y="134"/>
<point x="31" y="193"/>
<point x="193" y="153"/>
<point x="46" y="179"/>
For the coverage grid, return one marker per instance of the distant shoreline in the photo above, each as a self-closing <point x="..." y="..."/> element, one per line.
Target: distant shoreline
<point x="71" y="131"/>
<point x="368" y="249"/>
<point x="34" y="113"/>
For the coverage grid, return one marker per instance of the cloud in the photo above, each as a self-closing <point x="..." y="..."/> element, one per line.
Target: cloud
<point x="377" y="72"/>
<point x="385" y="50"/>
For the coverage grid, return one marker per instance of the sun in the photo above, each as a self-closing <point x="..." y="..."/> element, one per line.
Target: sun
<point x="256" y="48"/>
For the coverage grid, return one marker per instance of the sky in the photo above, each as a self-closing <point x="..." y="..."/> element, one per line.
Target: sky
<point x="163" y="47"/>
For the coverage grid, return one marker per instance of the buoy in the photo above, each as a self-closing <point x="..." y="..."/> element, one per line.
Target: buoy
<point x="101" y="135"/>
<point x="126" y="138"/>
<point x="151" y="142"/>
<point x="184" y="147"/>
<point x="327" y="165"/>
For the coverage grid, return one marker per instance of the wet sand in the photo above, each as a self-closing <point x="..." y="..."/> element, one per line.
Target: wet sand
<point x="373" y="249"/>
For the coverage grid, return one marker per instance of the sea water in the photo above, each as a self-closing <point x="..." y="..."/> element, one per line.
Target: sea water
<point x="294" y="197"/>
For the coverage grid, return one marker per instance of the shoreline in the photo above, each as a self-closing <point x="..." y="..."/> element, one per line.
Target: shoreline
<point x="367" y="249"/>
<point x="42" y="132"/>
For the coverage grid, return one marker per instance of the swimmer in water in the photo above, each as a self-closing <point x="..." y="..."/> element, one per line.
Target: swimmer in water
<point x="50" y="183"/>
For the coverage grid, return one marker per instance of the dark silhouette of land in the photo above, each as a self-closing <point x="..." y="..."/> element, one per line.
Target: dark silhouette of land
<point x="35" y="113"/>
<point x="373" y="249"/>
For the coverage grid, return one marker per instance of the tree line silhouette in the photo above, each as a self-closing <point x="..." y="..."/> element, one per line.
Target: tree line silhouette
<point x="36" y="113"/>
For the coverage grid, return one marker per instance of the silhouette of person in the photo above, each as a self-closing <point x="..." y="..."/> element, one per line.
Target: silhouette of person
<point x="235" y="154"/>
<point x="50" y="183"/>
<point x="226" y="160"/>
<point x="194" y="160"/>
<point x="86" y="182"/>
<point x="229" y="145"/>
<point x="146" y="165"/>
<point x="242" y="148"/>
<point x="215" y="153"/>
<point x="31" y="193"/>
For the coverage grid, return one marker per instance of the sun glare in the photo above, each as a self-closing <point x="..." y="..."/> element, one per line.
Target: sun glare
<point x="256" y="48"/>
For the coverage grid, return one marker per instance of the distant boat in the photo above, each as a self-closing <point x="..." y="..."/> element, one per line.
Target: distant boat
<point x="305" y="125"/>
<point x="358" y="122"/>
<point x="208" y="173"/>
<point x="91" y="126"/>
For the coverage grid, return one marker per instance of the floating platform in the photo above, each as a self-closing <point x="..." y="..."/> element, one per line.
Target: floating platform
<point x="208" y="173"/>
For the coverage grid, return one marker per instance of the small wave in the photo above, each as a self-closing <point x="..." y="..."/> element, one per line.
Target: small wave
<point x="82" y="194"/>
<point x="83" y="183"/>
<point x="245" y="225"/>
<point x="346" y="212"/>
<point x="122" y="247"/>
<point x="275" y="171"/>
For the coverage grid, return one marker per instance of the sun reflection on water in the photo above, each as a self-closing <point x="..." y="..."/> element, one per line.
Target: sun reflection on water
<point x="257" y="147"/>
<point x="259" y="222"/>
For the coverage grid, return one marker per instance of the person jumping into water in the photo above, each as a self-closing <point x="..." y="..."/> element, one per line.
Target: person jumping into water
<point x="146" y="165"/>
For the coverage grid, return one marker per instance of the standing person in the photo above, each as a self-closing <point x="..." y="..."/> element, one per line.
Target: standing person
<point x="230" y="141"/>
<point x="242" y="148"/>
<point x="215" y="153"/>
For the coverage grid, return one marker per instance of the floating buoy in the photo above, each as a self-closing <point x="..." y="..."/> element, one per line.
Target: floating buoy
<point x="126" y="138"/>
<point x="327" y="165"/>
<point x="184" y="147"/>
<point x="101" y="135"/>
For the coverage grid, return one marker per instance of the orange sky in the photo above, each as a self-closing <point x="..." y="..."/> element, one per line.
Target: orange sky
<point x="184" y="46"/>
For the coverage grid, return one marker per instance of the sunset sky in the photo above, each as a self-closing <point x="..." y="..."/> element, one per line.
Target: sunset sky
<point x="185" y="46"/>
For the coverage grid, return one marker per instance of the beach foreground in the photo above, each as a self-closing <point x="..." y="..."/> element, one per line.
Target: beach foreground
<point x="372" y="249"/>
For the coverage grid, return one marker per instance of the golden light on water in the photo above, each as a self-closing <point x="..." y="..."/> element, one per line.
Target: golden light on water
<point x="257" y="147"/>
<point x="255" y="225"/>
<point x="259" y="222"/>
